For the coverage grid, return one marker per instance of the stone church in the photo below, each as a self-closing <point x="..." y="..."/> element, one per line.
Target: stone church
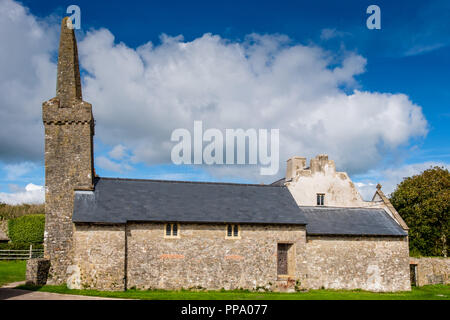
<point x="310" y="229"/>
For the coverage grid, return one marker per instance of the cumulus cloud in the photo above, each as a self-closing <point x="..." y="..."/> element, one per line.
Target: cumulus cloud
<point x="330" y="33"/>
<point x="118" y="152"/>
<point x="14" y="171"/>
<point x="30" y="194"/>
<point x="108" y="164"/>
<point x="141" y="95"/>
<point x="389" y="178"/>
<point x="27" y="78"/>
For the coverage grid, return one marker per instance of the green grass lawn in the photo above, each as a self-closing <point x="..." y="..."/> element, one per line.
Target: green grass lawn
<point x="12" y="271"/>
<point x="435" y="292"/>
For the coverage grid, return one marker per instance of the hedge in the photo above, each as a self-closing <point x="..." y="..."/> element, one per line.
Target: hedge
<point x="27" y="229"/>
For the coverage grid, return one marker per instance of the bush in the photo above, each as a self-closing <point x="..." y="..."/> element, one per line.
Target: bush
<point x="27" y="229"/>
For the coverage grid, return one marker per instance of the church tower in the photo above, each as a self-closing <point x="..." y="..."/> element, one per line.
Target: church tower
<point x="69" y="164"/>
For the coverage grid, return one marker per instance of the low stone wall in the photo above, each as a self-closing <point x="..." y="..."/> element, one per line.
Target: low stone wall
<point x="4" y="230"/>
<point x="4" y="226"/>
<point x="368" y="263"/>
<point x="431" y="270"/>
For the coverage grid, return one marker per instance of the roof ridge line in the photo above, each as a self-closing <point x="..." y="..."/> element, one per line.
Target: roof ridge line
<point x="331" y="207"/>
<point x="193" y="182"/>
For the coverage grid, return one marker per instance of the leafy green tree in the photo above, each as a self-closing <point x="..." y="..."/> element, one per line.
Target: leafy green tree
<point x="423" y="201"/>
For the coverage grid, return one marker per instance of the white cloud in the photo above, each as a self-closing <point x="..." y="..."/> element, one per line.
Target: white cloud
<point x="140" y="96"/>
<point x="110" y="165"/>
<point x="30" y="194"/>
<point x="118" y="152"/>
<point x="15" y="171"/>
<point x="330" y="33"/>
<point x="391" y="177"/>
<point x="27" y="78"/>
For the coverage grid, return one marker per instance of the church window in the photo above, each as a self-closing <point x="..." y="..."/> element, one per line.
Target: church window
<point x="171" y="230"/>
<point x="320" y="199"/>
<point x="233" y="231"/>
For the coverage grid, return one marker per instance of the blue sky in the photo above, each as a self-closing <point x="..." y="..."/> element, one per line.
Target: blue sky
<point x="410" y="55"/>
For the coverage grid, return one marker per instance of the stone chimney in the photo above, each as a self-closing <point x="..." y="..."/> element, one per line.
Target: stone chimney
<point x="321" y="164"/>
<point x="293" y="164"/>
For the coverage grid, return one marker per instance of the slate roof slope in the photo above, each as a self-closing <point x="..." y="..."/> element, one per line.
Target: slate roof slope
<point x="279" y="182"/>
<point x="350" y="221"/>
<point x="121" y="200"/>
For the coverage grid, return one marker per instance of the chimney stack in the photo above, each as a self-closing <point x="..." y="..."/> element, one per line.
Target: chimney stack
<point x="293" y="164"/>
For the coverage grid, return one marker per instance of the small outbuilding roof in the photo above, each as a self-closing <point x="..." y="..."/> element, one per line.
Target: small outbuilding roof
<point x="120" y="200"/>
<point x="350" y="221"/>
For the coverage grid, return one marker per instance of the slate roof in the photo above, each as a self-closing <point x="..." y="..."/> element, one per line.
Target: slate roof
<point x="350" y="221"/>
<point x="122" y="200"/>
<point x="279" y="182"/>
<point x="117" y="201"/>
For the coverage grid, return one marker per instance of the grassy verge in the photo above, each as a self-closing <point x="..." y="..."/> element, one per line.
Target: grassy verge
<point x="435" y="292"/>
<point x="12" y="271"/>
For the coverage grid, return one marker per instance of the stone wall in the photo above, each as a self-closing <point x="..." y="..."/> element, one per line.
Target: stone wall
<point x="68" y="165"/>
<point x="99" y="259"/>
<point x="368" y="263"/>
<point x="431" y="270"/>
<point x="203" y="257"/>
<point x="4" y="230"/>
<point x="37" y="271"/>
<point x="4" y="226"/>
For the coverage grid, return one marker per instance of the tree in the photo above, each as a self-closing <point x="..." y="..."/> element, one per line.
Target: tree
<point x="423" y="201"/>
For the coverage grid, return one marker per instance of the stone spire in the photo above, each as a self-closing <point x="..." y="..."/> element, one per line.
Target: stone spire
<point x="68" y="86"/>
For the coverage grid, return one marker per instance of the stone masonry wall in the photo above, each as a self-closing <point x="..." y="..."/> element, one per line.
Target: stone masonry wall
<point x="368" y="263"/>
<point x="432" y="270"/>
<point x="68" y="165"/>
<point x="37" y="271"/>
<point x="4" y="230"/>
<point x="203" y="257"/>
<point x="4" y="226"/>
<point x="99" y="260"/>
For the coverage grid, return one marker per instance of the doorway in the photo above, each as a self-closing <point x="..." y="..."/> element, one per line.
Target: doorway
<point x="284" y="253"/>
